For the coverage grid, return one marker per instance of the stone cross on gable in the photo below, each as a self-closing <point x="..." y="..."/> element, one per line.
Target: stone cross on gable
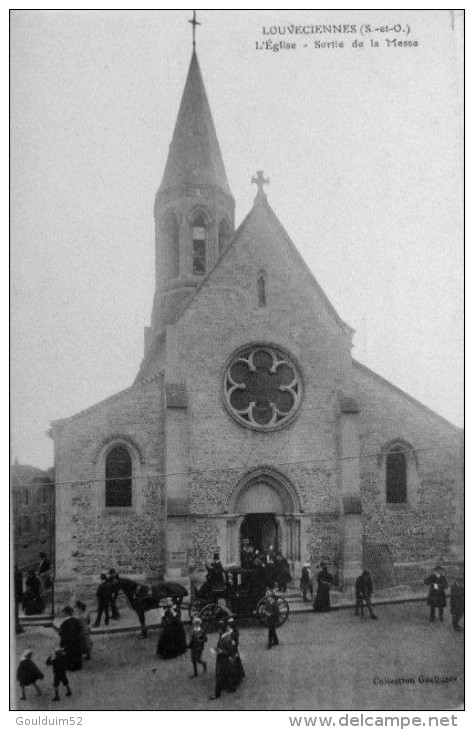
<point x="260" y="181"/>
<point x="194" y="23"/>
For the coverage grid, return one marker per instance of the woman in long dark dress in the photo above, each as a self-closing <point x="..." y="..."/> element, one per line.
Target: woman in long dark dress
<point x="235" y="636"/>
<point x="32" y="600"/>
<point x="226" y="672"/>
<point x="172" y="641"/>
<point x="322" y="602"/>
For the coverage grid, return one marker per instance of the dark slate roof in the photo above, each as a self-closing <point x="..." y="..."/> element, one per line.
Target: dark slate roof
<point x="372" y="374"/>
<point x="194" y="157"/>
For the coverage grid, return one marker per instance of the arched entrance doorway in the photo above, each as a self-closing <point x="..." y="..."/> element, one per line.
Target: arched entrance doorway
<point x="263" y="511"/>
<point x="261" y="531"/>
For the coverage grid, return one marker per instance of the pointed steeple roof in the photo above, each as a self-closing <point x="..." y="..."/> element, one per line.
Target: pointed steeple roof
<point x="195" y="156"/>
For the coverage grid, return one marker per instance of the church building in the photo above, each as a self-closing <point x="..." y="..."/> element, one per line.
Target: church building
<point x="249" y="421"/>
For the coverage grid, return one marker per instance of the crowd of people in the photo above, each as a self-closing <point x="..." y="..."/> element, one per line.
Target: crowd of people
<point x="272" y="563"/>
<point x="75" y="644"/>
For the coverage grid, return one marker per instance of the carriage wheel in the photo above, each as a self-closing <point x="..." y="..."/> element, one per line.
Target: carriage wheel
<point x="283" y="611"/>
<point x="211" y="614"/>
<point x="195" y="607"/>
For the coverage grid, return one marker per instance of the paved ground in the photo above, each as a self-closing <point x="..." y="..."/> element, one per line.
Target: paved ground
<point x="324" y="662"/>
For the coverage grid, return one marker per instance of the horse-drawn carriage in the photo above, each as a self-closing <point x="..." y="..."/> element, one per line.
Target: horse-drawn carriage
<point x="241" y="594"/>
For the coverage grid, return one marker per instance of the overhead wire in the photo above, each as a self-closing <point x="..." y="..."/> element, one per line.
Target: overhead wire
<point x="159" y="475"/>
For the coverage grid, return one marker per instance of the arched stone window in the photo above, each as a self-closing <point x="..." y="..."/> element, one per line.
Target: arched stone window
<point x="118" y="477"/>
<point x="396" y="476"/>
<point x="199" y="244"/>
<point x="223" y="235"/>
<point x="171" y="233"/>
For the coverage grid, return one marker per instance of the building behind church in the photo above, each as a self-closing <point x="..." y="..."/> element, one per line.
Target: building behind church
<point x="249" y="421"/>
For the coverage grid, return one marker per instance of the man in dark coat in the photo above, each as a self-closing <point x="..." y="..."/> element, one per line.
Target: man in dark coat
<point x="282" y="572"/>
<point x="363" y="590"/>
<point x="104" y="597"/>
<point x="457" y="601"/>
<point x="114" y="582"/>
<point x="437" y="592"/>
<point x="269" y="564"/>
<point x="70" y="633"/>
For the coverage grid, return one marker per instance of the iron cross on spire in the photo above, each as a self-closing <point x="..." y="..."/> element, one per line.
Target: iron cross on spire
<point x="194" y="23"/>
<point x="260" y="181"/>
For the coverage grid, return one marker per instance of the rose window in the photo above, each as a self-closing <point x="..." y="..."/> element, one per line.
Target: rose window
<point x="262" y="387"/>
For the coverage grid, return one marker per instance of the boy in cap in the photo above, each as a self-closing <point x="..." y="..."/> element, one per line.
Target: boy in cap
<point x="196" y="643"/>
<point x="58" y="662"/>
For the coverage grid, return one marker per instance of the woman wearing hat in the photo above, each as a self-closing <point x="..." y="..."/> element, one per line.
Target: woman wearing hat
<point x="235" y="636"/>
<point x="196" y="643"/>
<point x="226" y="677"/>
<point x="172" y="641"/>
<point x="437" y="592"/>
<point x="28" y="673"/>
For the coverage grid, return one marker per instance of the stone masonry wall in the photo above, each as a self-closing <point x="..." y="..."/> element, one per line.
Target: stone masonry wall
<point x="90" y="537"/>
<point x="423" y="530"/>
<point x="225" y="315"/>
<point x="324" y="542"/>
<point x="204" y="540"/>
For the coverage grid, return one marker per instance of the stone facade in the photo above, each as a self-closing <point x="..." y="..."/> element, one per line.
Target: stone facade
<point x="316" y="484"/>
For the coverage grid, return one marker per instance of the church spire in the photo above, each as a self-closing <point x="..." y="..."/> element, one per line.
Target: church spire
<point x="194" y="207"/>
<point x="194" y="157"/>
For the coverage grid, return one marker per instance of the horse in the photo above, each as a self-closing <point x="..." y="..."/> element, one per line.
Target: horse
<point x="143" y="598"/>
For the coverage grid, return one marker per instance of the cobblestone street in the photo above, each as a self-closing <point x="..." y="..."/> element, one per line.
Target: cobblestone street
<point x="324" y="662"/>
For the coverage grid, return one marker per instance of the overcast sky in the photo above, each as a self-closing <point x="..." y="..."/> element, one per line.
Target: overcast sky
<point x="363" y="148"/>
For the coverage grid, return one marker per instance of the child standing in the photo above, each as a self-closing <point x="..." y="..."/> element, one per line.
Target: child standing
<point x="28" y="673"/>
<point x="59" y="662"/>
<point x="196" y="644"/>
